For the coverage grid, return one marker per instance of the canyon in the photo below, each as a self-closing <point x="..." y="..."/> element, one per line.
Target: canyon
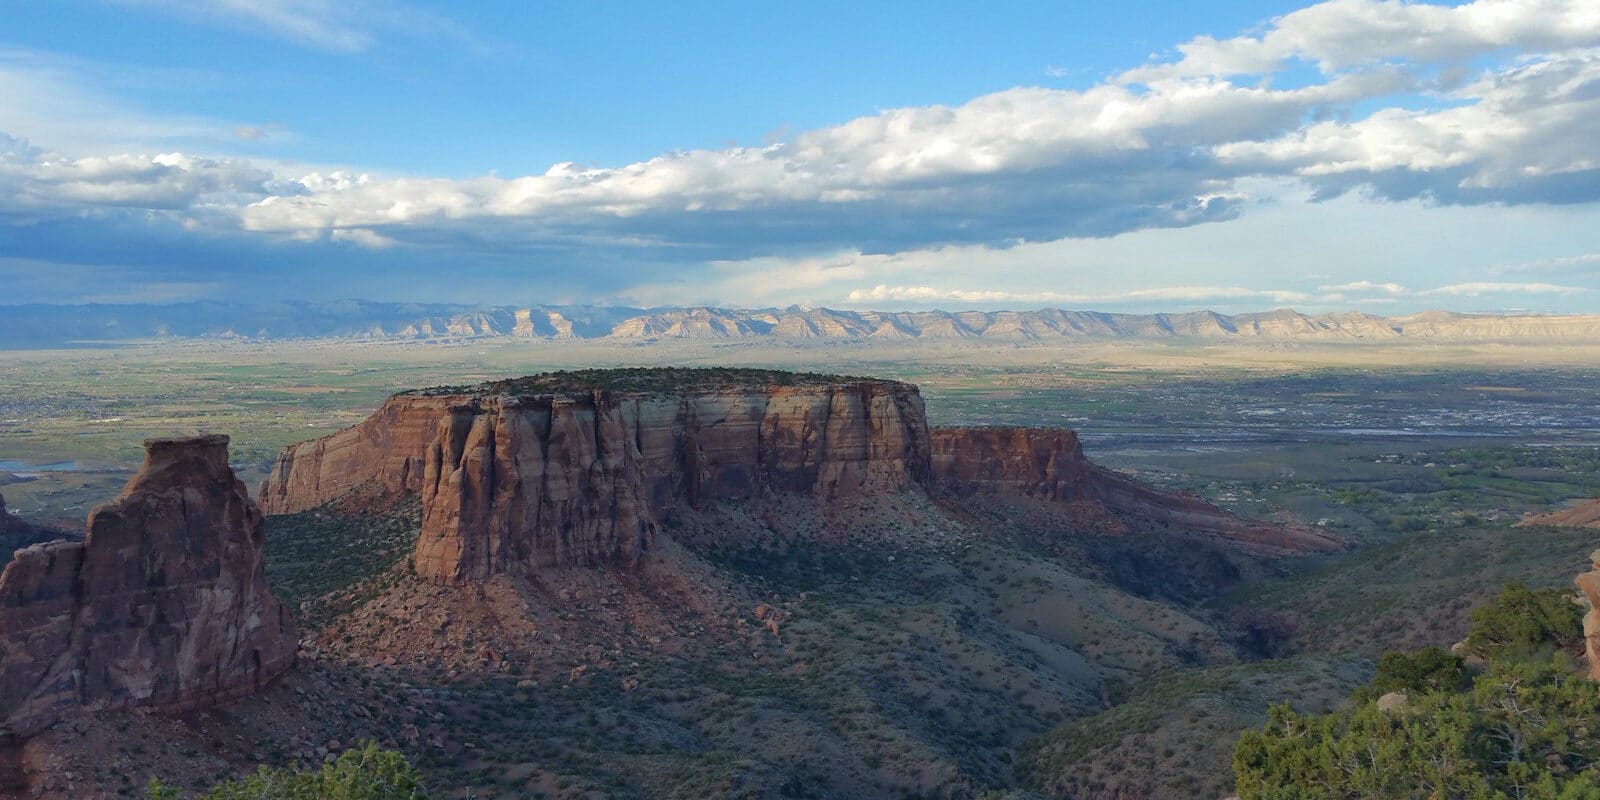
<point x="163" y="605"/>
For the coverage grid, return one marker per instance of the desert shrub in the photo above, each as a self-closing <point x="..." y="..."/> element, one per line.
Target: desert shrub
<point x="1527" y="726"/>
<point x="1522" y="620"/>
<point x="1430" y="669"/>
<point x="367" y="773"/>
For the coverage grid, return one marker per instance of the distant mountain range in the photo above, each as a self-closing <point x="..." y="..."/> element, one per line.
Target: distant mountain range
<point x="54" y="325"/>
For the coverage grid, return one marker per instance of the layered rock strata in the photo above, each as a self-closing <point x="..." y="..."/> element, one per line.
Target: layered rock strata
<point x="1049" y="464"/>
<point x="522" y="475"/>
<point x="519" y="481"/>
<point x="163" y="605"/>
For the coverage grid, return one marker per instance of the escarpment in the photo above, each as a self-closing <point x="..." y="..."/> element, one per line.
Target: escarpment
<point x="164" y="604"/>
<point x="1049" y="464"/>
<point x="518" y="477"/>
<point x="548" y="471"/>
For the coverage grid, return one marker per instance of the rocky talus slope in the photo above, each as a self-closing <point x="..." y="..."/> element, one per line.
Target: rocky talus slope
<point x="528" y="474"/>
<point x="163" y="605"/>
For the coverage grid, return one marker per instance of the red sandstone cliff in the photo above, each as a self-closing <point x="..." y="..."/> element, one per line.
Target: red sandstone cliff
<point x="1049" y="464"/>
<point x="518" y="475"/>
<point x="513" y="480"/>
<point x="1589" y="584"/>
<point x="164" y="604"/>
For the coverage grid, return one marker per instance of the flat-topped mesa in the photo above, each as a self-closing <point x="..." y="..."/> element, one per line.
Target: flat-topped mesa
<point x="578" y="468"/>
<point x="1049" y="464"/>
<point x="164" y="604"/>
<point x="1589" y="584"/>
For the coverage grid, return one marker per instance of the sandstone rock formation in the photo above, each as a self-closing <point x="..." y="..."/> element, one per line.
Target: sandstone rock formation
<point x="1581" y="515"/>
<point x="528" y="474"/>
<point x="1589" y="584"/>
<point x="515" y="479"/>
<point x="1049" y="464"/>
<point x="163" y="605"/>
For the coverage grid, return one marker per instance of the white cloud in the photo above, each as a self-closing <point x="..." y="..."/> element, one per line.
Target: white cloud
<point x="1343" y="34"/>
<point x="1365" y="287"/>
<point x="844" y="210"/>
<point x="1481" y="288"/>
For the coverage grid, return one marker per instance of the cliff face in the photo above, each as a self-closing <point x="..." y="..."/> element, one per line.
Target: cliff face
<point x="537" y="473"/>
<point x="1589" y="584"/>
<point x="1048" y="464"/>
<point x="164" y="604"/>
<point x="514" y="481"/>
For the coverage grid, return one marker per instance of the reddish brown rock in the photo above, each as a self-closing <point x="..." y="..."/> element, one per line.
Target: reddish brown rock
<point x="163" y="605"/>
<point x="512" y="481"/>
<point x="519" y="475"/>
<point x="1048" y="464"/>
<point x="1581" y="515"/>
<point x="1589" y="584"/>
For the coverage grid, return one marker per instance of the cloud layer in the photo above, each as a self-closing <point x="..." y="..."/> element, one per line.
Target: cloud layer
<point x="1489" y="102"/>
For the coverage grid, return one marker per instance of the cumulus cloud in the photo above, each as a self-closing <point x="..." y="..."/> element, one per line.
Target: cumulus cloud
<point x="1344" y="34"/>
<point x="1364" y="287"/>
<point x="1487" y="102"/>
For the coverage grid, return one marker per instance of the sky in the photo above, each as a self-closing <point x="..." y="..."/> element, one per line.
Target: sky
<point x="1140" y="156"/>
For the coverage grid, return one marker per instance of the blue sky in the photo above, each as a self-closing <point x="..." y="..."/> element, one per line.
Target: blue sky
<point x="1143" y="156"/>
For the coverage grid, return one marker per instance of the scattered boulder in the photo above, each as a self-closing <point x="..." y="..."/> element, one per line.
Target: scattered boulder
<point x="1394" y="702"/>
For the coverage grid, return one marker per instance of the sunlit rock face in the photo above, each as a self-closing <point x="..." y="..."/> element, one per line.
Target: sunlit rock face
<point x="1589" y="584"/>
<point x="164" y="604"/>
<point x="534" y="473"/>
<point x="527" y="480"/>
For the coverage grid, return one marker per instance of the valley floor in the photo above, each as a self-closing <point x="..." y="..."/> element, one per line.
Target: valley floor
<point x="933" y="648"/>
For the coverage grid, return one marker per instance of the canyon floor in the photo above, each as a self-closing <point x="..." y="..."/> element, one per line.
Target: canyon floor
<point x="902" y="649"/>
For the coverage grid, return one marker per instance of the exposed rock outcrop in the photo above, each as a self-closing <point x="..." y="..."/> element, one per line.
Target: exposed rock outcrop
<point x="1581" y="515"/>
<point x="1049" y="464"/>
<point x="1589" y="584"/>
<point x="533" y="473"/>
<point x="163" y="605"/>
<point x="512" y="478"/>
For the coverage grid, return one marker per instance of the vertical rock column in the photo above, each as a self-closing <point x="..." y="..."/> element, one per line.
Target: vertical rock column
<point x="1589" y="584"/>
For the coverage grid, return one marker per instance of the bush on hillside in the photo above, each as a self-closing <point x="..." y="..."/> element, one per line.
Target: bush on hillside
<point x="1520" y="620"/>
<point x="367" y="773"/>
